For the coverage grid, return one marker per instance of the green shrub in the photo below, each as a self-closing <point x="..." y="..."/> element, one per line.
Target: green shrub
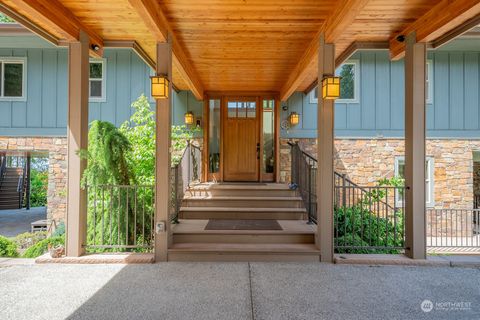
<point x="42" y="247"/>
<point x="7" y="248"/>
<point x="358" y="227"/>
<point x="28" y="239"/>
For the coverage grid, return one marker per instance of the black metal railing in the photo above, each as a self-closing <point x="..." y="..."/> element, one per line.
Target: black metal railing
<point x="304" y="176"/>
<point x="453" y="228"/>
<point x="188" y="170"/>
<point x="3" y="166"/>
<point x="366" y="218"/>
<point x="120" y="217"/>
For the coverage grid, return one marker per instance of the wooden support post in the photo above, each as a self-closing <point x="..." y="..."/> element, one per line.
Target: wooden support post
<point x="77" y="137"/>
<point x="162" y="157"/>
<point x="325" y="141"/>
<point x="415" y="68"/>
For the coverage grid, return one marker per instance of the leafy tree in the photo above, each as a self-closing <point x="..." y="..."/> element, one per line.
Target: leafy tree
<point x="38" y="188"/>
<point x="5" y="19"/>
<point x="107" y="156"/>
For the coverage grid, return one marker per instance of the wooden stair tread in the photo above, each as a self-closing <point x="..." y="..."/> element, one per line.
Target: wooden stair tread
<point x="240" y="198"/>
<point x="264" y="248"/>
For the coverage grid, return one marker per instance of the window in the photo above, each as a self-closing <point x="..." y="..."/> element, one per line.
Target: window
<point x="349" y="83"/>
<point x="241" y="109"/>
<point x="12" y="79"/>
<point x="97" y="80"/>
<point x="429" y="82"/>
<point x="429" y="169"/>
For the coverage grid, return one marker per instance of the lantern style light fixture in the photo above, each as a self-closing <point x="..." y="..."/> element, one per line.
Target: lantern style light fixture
<point x="294" y="118"/>
<point x="331" y="87"/>
<point x="160" y="86"/>
<point x="189" y="118"/>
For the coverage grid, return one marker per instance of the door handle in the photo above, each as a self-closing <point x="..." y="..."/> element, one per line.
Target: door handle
<point x="258" y="150"/>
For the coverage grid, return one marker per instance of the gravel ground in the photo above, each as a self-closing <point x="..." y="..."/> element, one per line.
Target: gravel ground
<point x="237" y="291"/>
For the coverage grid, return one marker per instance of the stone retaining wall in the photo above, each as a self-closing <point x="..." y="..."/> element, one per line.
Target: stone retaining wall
<point x="56" y="148"/>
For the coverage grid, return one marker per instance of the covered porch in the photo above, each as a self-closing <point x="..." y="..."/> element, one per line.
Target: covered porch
<point x="244" y="60"/>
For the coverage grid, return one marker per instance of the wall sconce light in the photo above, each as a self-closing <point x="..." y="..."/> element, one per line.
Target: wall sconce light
<point x="189" y="118"/>
<point x="294" y="118"/>
<point x="331" y="87"/>
<point x="160" y="85"/>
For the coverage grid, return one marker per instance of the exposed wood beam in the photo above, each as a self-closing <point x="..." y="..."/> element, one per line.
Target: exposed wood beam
<point x="458" y="31"/>
<point x="155" y="20"/>
<point x="345" y="55"/>
<point x="343" y="15"/>
<point x="443" y="17"/>
<point x="131" y="44"/>
<point x="53" y="14"/>
<point x="23" y="21"/>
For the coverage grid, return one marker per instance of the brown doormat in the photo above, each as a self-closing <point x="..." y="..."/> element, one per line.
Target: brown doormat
<point x="216" y="224"/>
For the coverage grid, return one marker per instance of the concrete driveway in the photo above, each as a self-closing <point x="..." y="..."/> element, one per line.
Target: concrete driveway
<point x="238" y="291"/>
<point x="13" y="222"/>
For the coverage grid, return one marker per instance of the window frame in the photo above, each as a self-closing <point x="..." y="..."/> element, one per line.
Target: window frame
<point x="13" y="60"/>
<point x="103" y="80"/>
<point x="356" y="84"/>
<point x="429" y="179"/>
<point x="429" y="82"/>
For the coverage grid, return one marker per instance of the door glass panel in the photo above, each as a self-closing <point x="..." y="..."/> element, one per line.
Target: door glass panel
<point x="214" y="135"/>
<point x="241" y="109"/>
<point x="268" y="136"/>
<point x="232" y="109"/>
<point x="251" y="110"/>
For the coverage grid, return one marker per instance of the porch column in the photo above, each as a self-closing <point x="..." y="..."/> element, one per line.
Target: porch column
<point x="162" y="157"/>
<point x="415" y="67"/>
<point x="325" y="149"/>
<point x="77" y="135"/>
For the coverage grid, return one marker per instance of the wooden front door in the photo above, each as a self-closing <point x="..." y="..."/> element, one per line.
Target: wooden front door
<point x="241" y="143"/>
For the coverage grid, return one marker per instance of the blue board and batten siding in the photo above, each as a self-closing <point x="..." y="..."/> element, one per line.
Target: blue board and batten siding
<point x="44" y="113"/>
<point x="454" y="111"/>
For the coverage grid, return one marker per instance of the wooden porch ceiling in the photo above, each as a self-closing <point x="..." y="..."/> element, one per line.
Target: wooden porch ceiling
<point x="246" y="45"/>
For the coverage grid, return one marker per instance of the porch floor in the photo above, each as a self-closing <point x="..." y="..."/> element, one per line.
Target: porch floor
<point x="288" y="226"/>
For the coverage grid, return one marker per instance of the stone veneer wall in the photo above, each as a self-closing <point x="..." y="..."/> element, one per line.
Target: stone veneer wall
<point x="56" y="147"/>
<point x="365" y="161"/>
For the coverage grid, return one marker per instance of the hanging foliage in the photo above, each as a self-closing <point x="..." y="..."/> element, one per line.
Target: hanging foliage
<point x="106" y="156"/>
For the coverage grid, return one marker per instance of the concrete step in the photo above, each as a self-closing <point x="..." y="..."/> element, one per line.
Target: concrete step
<point x="243" y="202"/>
<point x="242" y="213"/>
<point x="243" y="252"/>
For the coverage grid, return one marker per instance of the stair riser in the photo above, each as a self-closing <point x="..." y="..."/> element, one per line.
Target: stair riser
<point x="242" y="193"/>
<point x="244" y="238"/>
<point x="251" y="203"/>
<point x="242" y="215"/>
<point x="235" y="257"/>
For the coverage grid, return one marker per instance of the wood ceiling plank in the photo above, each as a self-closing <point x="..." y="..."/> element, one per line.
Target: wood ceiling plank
<point x="444" y="16"/>
<point x="53" y="14"/>
<point x="154" y="18"/>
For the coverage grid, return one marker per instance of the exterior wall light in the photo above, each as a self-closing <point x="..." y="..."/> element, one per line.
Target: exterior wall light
<point x="189" y="118"/>
<point x="294" y="118"/>
<point x="160" y="85"/>
<point x="331" y="87"/>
